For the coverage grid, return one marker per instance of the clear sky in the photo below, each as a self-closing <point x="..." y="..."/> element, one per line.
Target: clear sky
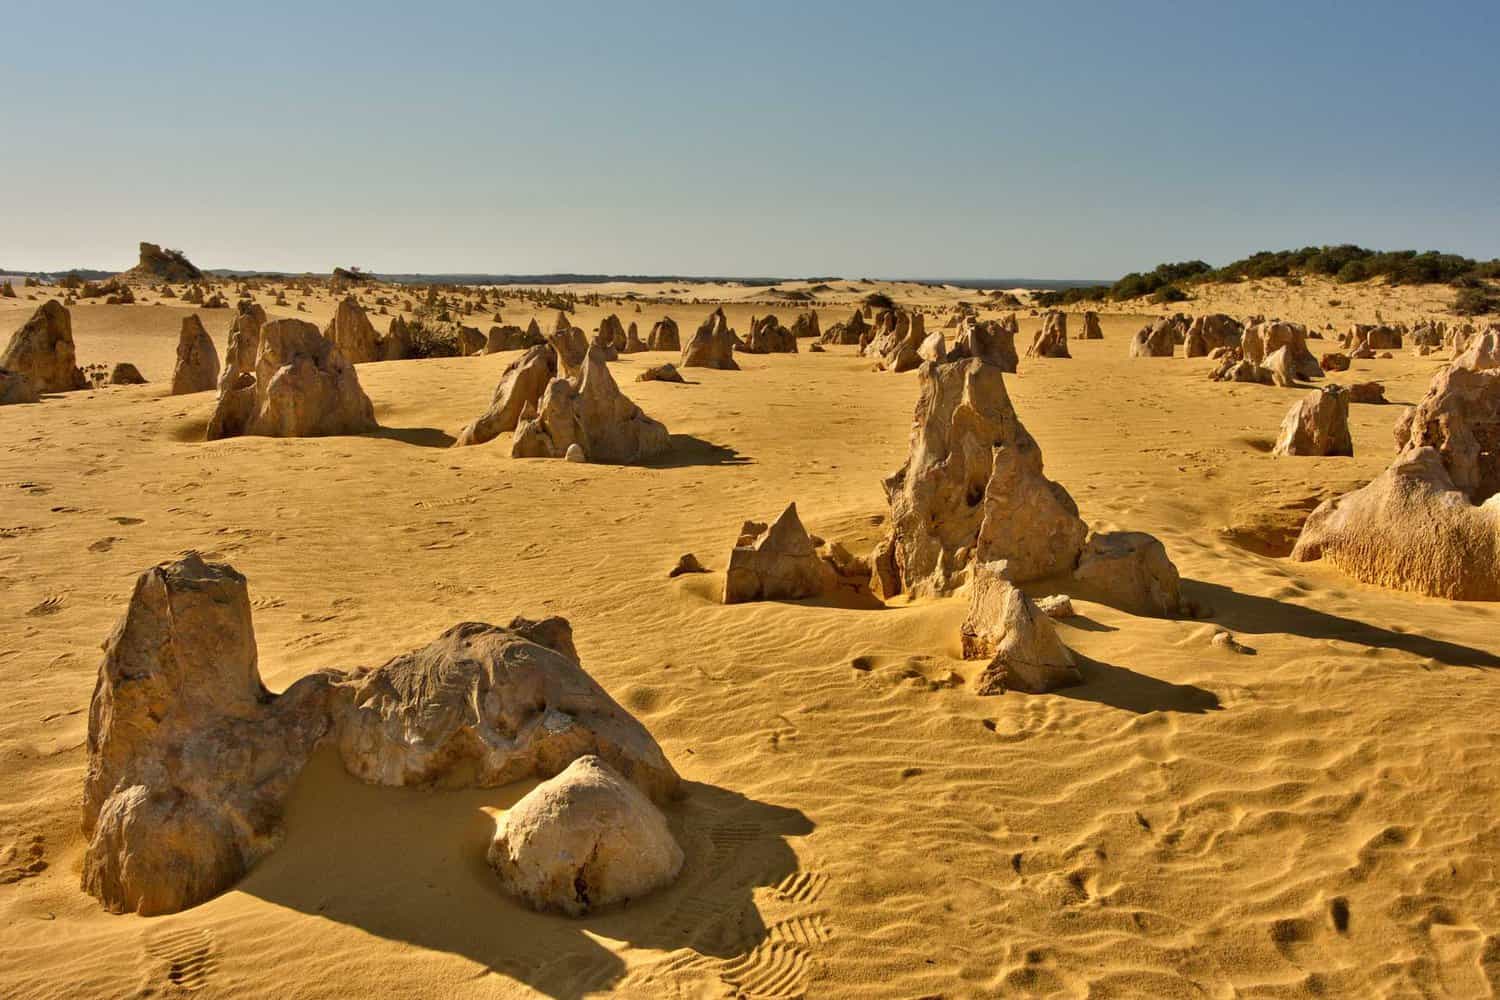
<point x="880" y="139"/>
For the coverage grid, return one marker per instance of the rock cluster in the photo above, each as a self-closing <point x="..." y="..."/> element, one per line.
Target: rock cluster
<point x="521" y="385"/>
<point x="1020" y="641"/>
<point x="42" y="352"/>
<point x="1052" y="339"/>
<point x="301" y="386"/>
<point x="806" y="325"/>
<point x="991" y="341"/>
<point x="1262" y="339"/>
<point x="1205" y="334"/>
<point x="853" y="331"/>
<point x="191" y="758"/>
<point x="776" y="564"/>
<point x="1156" y="340"/>
<point x="591" y="412"/>
<point x="768" y="336"/>
<point x="571" y="345"/>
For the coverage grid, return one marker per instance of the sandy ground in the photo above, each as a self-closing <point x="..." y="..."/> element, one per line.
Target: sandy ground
<point x="1315" y="819"/>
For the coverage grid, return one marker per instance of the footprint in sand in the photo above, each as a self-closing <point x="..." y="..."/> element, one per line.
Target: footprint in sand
<point x="184" y="957"/>
<point x="50" y="606"/>
<point x="25" y="857"/>
<point x="104" y="544"/>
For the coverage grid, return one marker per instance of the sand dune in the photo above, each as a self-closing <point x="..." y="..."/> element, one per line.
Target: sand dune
<point x="1315" y="818"/>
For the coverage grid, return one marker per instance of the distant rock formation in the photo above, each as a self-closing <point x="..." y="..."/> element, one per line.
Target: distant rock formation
<point x="768" y="336"/>
<point x="591" y="412"/>
<point x="1052" y="339"/>
<point x="157" y="264"/>
<point x="712" y="345"/>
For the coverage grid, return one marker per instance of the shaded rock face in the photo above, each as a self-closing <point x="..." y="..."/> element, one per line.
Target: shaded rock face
<point x="972" y="489"/>
<point x="664" y="336"/>
<point x="895" y="341"/>
<point x="197" y="367"/>
<point x="521" y="385"/>
<point x="1334" y="362"/>
<point x="1459" y="417"/>
<point x="15" y="389"/>
<point x="806" y="325"/>
<point x="1128" y="570"/>
<point x="190" y="758"/>
<point x="243" y="346"/>
<point x="594" y="414"/>
<point x="470" y="341"/>
<point x="351" y="332"/>
<point x="42" y="351"/>
<point x="1411" y="528"/>
<point x="510" y="338"/>
<point x="1261" y="340"/>
<point x="633" y="342"/>
<point x="782" y="565"/>
<point x="157" y="264"/>
<point x="1367" y="392"/>
<point x="1234" y="368"/>
<point x="582" y="840"/>
<point x="126" y="373"/>
<point x="1091" y="328"/>
<point x="570" y="344"/>
<point x="1051" y="340"/>
<point x="1317" y="424"/>
<point x="396" y="345"/>
<point x="1205" y="334"/>
<point x="768" y="336"/>
<point x="491" y="705"/>
<point x="1155" y="340"/>
<point x="1006" y="626"/>
<point x="712" y="345"/>
<point x="611" y="337"/>
<point x="301" y="387"/>
<point x="992" y="341"/>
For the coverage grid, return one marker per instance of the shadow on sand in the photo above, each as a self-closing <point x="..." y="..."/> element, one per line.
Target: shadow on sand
<point x="1120" y="687"/>
<point x="1262" y="615"/>
<point x="422" y="437"/>
<point x="688" y="450"/>
<point x="409" y="865"/>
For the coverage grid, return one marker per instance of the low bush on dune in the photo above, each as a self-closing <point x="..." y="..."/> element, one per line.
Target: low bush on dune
<point x="1478" y="300"/>
<point x="879" y="300"/>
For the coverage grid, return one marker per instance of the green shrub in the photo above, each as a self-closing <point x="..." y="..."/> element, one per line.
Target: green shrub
<point x="1476" y="301"/>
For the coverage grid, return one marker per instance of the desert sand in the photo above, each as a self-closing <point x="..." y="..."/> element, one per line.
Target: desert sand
<point x="1318" y="818"/>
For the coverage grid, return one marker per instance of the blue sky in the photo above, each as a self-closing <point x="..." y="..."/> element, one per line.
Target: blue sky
<point x="877" y="139"/>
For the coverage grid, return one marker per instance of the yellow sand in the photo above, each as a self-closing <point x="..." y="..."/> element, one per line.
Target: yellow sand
<point x="1316" y="819"/>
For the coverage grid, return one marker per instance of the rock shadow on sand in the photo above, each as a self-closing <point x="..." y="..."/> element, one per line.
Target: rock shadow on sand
<point x="688" y="450"/>
<point x="422" y="437"/>
<point x="1253" y="615"/>
<point x="409" y="865"/>
<point x="1123" y="688"/>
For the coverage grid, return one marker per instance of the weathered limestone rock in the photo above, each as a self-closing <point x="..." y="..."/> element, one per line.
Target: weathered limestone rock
<point x="1459" y="417"/>
<point x="1091" y="328"/>
<point x="852" y="331"/>
<point x="993" y="342"/>
<point x="509" y="338"/>
<point x="934" y="348"/>
<point x="1155" y="340"/>
<point x="301" y="387"/>
<point x="493" y="705"/>
<point x="806" y="325"/>
<point x="1317" y="424"/>
<point x="972" y="489"/>
<point x="522" y="383"/>
<point x="156" y="264"/>
<point x="1007" y="626"/>
<point x="768" y="336"/>
<point x="470" y="341"/>
<point x="1128" y="570"/>
<point x="126" y="373"/>
<point x="582" y="840"/>
<point x="197" y="367"/>
<point x="633" y="342"/>
<point x="351" y="332"/>
<point x="1412" y="528"/>
<point x="1234" y="368"/>
<point x="1282" y="366"/>
<point x="243" y="347"/>
<point x="663" y="336"/>
<point x="190" y="758"/>
<point x="593" y="413"/>
<point x="661" y="373"/>
<point x="1263" y="339"/>
<point x="1367" y="392"/>
<point x="1334" y="362"/>
<point x="712" y="346"/>
<point x="1052" y="339"/>
<point x="15" y="389"/>
<point x="570" y="344"/>
<point x="42" y="351"/>
<point x="611" y="333"/>
<point x="397" y="344"/>
<point x="782" y="565"/>
<point x="1205" y="334"/>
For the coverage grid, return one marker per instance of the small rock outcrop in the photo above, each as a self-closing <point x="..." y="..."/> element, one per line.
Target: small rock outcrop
<point x="1091" y="328"/>
<point x="1317" y="424"/>
<point x="712" y="345"/>
<point x="853" y="331"/>
<point x="806" y="325"/>
<point x="1128" y="570"/>
<point x="1205" y="334"/>
<point x="582" y="840"/>
<point x="1155" y="340"/>
<point x="15" y="389"/>
<point x="1459" y="417"/>
<point x="591" y="412"/>
<point x="1022" y="644"/>
<point x="156" y="264"/>
<point x="301" y="387"/>
<point x="521" y="385"/>
<point x="510" y="338"/>
<point x="768" y="336"/>
<point x="197" y="367"/>
<point x="571" y="345"/>
<point x="661" y="373"/>
<point x="663" y="336"/>
<point x="126" y="373"/>
<point x="1263" y="339"/>
<point x="782" y="564"/>
<point x="42" y="351"/>
<point x="1052" y="339"/>
<point x="992" y="341"/>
